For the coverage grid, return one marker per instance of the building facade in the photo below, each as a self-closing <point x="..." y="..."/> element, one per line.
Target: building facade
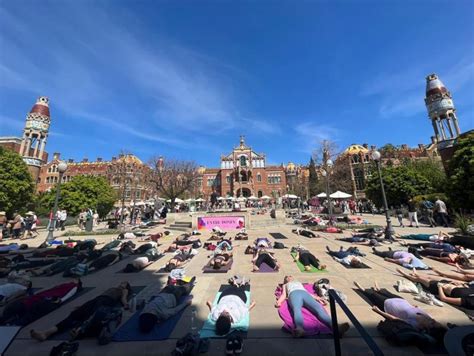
<point x="244" y="172"/>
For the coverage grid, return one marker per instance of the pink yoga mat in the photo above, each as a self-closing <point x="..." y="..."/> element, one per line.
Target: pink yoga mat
<point x="312" y="326"/>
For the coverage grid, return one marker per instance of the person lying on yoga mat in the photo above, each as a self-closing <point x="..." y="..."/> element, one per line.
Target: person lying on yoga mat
<point x="241" y="235"/>
<point x="183" y="240"/>
<point x="20" y="262"/>
<point x="262" y="242"/>
<point x="111" y="297"/>
<point x="393" y="307"/>
<point x="25" y="310"/>
<point x="13" y="247"/>
<point x="59" y="266"/>
<point x="157" y="236"/>
<point x="306" y="258"/>
<point x="9" y="291"/>
<point x="165" y="305"/>
<point x="104" y="261"/>
<point x="402" y="258"/>
<point x="452" y="292"/>
<point x="230" y="309"/>
<point x="181" y="256"/>
<point x="263" y="255"/>
<point x="361" y="241"/>
<point x="144" y="248"/>
<point x="305" y="233"/>
<point x="349" y="258"/>
<point x="460" y="275"/>
<point x="298" y="297"/>
<point x="441" y="236"/>
<point x="140" y="263"/>
<point x="440" y="255"/>
<point x="440" y="245"/>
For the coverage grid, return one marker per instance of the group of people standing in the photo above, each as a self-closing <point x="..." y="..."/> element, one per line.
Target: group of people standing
<point x="428" y="210"/>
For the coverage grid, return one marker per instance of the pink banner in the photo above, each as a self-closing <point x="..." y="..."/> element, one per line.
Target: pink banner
<point x="224" y="222"/>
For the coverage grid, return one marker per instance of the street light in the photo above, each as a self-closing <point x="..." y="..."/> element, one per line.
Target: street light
<point x="326" y="172"/>
<point x="389" y="229"/>
<point x="62" y="167"/>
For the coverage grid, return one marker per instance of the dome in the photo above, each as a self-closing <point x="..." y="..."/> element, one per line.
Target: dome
<point x="355" y="149"/>
<point x="41" y="106"/>
<point x="130" y="159"/>
<point x="201" y="170"/>
<point x="434" y="85"/>
<point x="291" y="166"/>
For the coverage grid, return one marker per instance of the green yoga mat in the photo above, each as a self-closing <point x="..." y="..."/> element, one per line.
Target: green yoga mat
<point x="301" y="267"/>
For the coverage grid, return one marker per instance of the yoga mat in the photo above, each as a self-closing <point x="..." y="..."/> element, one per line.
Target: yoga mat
<point x="208" y="329"/>
<point x="122" y="270"/>
<point x="224" y="269"/>
<point x="278" y="236"/>
<point x="264" y="268"/>
<point x="65" y="336"/>
<point x="301" y="267"/>
<point x="364" y="266"/>
<point x="129" y="331"/>
<point x="7" y="334"/>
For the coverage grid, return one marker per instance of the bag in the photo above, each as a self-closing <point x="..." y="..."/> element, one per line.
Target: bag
<point x="278" y="245"/>
<point x="400" y="333"/>
<point x="406" y="286"/>
<point x="249" y="250"/>
<point x="197" y="244"/>
<point x="65" y="349"/>
<point x="190" y="345"/>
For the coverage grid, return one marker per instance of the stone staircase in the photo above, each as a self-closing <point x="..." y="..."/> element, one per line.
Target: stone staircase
<point x="180" y="226"/>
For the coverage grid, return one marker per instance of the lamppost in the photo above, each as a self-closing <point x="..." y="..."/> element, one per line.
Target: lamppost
<point x="62" y="167"/>
<point x="326" y="172"/>
<point x="389" y="229"/>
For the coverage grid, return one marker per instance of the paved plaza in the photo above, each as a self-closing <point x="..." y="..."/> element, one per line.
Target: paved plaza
<point x="265" y="336"/>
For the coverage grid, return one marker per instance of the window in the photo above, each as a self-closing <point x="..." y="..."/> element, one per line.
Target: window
<point x="47" y="179"/>
<point x="199" y="182"/>
<point x="127" y="194"/>
<point x="227" y="179"/>
<point x="260" y="194"/>
<point x="274" y="179"/>
<point x="49" y="170"/>
<point x="137" y="194"/>
<point x="243" y="161"/>
<point x="359" y="178"/>
<point x="259" y="177"/>
<point x="210" y="182"/>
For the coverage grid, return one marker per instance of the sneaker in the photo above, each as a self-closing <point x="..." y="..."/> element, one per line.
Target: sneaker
<point x="229" y="345"/>
<point x="238" y="345"/>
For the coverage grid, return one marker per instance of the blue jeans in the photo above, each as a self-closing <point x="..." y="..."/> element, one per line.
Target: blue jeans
<point x="299" y="298"/>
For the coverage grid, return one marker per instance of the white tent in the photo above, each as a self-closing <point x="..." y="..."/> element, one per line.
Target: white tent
<point x="177" y="201"/>
<point x="139" y="203"/>
<point x="230" y="198"/>
<point x="340" y="195"/>
<point x="265" y="197"/>
<point x="321" y="195"/>
<point x="290" y="196"/>
<point x="241" y="199"/>
<point x="200" y="200"/>
<point x="190" y="200"/>
<point x="221" y="198"/>
<point x="252" y="197"/>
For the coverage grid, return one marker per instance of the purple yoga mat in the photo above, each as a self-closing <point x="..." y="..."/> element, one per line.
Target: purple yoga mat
<point x="312" y="326"/>
<point x="264" y="268"/>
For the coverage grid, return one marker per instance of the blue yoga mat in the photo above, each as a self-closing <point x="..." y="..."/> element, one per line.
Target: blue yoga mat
<point x="162" y="331"/>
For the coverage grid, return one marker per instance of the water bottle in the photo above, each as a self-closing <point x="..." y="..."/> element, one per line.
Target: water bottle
<point x="133" y="304"/>
<point x="193" y="322"/>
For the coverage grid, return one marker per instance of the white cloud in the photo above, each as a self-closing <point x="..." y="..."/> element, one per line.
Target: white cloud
<point x="312" y="134"/>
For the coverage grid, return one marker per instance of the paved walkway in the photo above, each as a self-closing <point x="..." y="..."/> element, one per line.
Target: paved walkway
<point x="265" y="336"/>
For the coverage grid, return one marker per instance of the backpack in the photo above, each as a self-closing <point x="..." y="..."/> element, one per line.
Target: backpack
<point x="190" y="345"/>
<point x="400" y="333"/>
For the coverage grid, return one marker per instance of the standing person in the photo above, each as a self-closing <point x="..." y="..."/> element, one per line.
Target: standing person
<point x="399" y="213"/>
<point x="360" y="207"/>
<point x="17" y="225"/>
<point x="95" y="218"/>
<point x="30" y="225"/>
<point x="82" y="219"/>
<point x="62" y="219"/>
<point x="428" y="207"/>
<point x="412" y="214"/>
<point x="440" y="207"/>
<point x="3" y="223"/>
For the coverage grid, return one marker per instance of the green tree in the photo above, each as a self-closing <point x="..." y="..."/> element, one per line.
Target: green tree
<point x="313" y="178"/>
<point x="433" y="171"/>
<point x="388" y="151"/>
<point x="401" y="183"/>
<point x="460" y="187"/>
<point x="16" y="183"/>
<point x="83" y="192"/>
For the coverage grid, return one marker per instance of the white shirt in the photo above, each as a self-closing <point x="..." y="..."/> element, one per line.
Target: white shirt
<point x="10" y="289"/>
<point x="292" y="286"/>
<point x="233" y="305"/>
<point x="140" y="262"/>
<point x="440" y="206"/>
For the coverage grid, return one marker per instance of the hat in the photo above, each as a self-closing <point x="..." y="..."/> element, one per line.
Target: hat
<point x="30" y="213"/>
<point x="3" y="213"/>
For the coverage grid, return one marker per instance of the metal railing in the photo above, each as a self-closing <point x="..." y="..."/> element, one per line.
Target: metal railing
<point x="333" y="299"/>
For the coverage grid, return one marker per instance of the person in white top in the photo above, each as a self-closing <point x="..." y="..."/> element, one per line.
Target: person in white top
<point x="231" y="308"/>
<point x="9" y="291"/>
<point x="298" y="297"/>
<point x="440" y="207"/>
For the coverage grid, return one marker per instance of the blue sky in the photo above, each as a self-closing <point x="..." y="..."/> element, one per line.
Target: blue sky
<point x="184" y="79"/>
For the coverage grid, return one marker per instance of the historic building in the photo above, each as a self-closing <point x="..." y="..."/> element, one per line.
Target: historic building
<point x="126" y="174"/>
<point x="442" y="113"/>
<point x="32" y="145"/>
<point x="243" y="172"/>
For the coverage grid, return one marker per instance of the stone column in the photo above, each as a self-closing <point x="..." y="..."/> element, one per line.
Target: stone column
<point x="448" y="120"/>
<point x="43" y="144"/>
<point x="456" y="125"/>
<point x="36" y="148"/>
<point x="443" y="133"/>
<point x="22" y="146"/>
<point x="435" y="128"/>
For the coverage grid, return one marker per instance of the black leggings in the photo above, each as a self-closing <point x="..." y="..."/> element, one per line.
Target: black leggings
<point x="178" y="291"/>
<point x="307" y="259"/>
<point x="84" y="312"/>
<point x="265" y="257"/>
<point x="433" y="252"/>
<point x="307" y="233"/>
<point x="384" y="254"/>
<point x="379" y="297"/>
<point x="233" y="290"/>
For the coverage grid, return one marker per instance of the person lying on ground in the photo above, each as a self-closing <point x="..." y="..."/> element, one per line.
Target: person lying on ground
<point x="440" y="255"/>
<point x="305" y="233"/>
<point x="439" y="245"/>
<point x="139" y="263"/>
<point x="25" y="310"/>
<point x="144" y="248"/>
<point x="157" y="236"/>
<point x="59" y="266"/>
<point x="181" y="256"/>
<point x="393" y="307"/>
<point x="241" y="235"/>
<point x="12" y="248"/>
<point x="452" y="292"/>
<point x="402" y="258"/>
<point x="10" y="291"/>
<point x="298" y="297"/>
<point x="262" y="242"/>
<point x="102" y="262"/>
<point x="230" y="309"/>
<point x="165" y="305"/>
<point x="263" y="255"/>
<point x="352" y="250"/>
<point x="183" y="240"/>
<point x="349" y="258"/>
<point x="111" y="297"/>
<point x="441" y="236"/>
<point x="460" y="275"/>
<point x="306" y="258"/>
<point x="218" y="231"/>
<point x="361" y="241"/>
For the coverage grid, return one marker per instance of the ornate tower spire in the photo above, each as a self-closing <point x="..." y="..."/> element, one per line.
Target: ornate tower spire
<point x="441" y="110"/>
<point x="242" y="141"/>
<point x="35" y="135"/>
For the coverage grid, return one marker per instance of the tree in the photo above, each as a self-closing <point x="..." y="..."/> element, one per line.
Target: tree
<point x="83" y="192"/>
<point x="313" y="178"/>
<point x="460" y="187"/>
<point x="431" y="170"/>
<point x="16" y="183"/>
<point x="340" y="178"/>
<point x="401" y="183"/>
<point x="388" y="151"/>
<point x="173" y="178"/>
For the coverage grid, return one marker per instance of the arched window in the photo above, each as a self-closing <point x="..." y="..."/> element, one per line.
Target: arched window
<point x="260" y="194"/>
<point x="259" y="177"/>
<point x="355" y="159"/>
<point x="243" y="161"/>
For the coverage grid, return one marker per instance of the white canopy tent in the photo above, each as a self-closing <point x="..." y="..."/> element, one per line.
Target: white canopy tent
<point x="230" y="198"/>
<point x="177" y="200"/>
<point x="290" y="196"/>
<point x="241" y="199"/>
<point x="252" y="197"/>
<point x="190" y="200"/>
<point x="200" y="200"/>
<point x="321" y="195"/>
<point x="221" y="198"/>
<point x="265" y="197"/>
<point x="340" y="195"/>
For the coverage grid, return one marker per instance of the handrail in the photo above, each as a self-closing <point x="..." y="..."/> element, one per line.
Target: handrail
<point x="333" y="298"/>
